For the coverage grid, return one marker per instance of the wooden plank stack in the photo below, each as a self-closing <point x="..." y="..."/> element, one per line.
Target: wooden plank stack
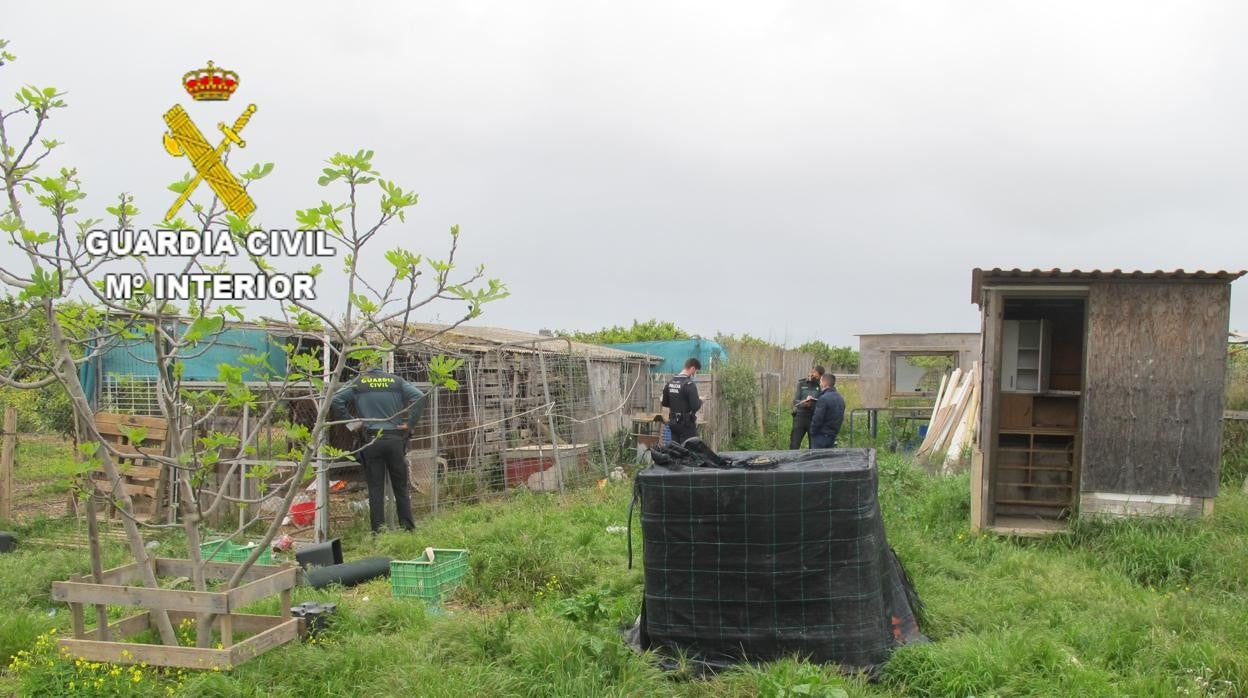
<point x="955" y="419"/>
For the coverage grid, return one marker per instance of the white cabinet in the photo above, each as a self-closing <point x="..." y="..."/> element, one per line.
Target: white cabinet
<point x="1024" y="356"/>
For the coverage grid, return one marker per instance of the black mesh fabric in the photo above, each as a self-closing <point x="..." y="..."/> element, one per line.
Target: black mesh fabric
<point x="774" y="554"/>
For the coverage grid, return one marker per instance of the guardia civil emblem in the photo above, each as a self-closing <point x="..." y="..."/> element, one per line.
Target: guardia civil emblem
<point x="210" y="84"/>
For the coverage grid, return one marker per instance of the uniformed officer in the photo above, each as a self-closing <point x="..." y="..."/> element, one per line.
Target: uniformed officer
<point x="680" y="397"/>
<point x="804" y="406"/>
<point x="389" y="408"/>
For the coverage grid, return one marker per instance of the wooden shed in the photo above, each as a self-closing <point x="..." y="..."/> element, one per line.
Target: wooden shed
<point x="1102" y="393"/>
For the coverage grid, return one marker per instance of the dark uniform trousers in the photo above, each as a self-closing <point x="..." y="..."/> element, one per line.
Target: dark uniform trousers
<point x="801" y="428"/>
<point x="686" y="429"/>
<point x="384" y="455"/>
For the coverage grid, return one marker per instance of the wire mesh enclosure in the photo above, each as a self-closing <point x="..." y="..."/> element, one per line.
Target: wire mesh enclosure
<point x="527" y="412"/>
<point x="542" y="414"/>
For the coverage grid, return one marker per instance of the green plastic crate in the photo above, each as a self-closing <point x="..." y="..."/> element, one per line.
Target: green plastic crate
<point x="228" y="551"/>
<point x="430" y="581"/>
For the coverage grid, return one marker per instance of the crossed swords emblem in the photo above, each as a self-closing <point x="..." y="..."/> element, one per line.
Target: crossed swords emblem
<point x="184" y="138"/>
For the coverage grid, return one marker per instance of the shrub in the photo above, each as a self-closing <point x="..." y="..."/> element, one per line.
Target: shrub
<point x="43" y="411"/>
<point x="649" y="331"/>
<point x="738" y="388"/>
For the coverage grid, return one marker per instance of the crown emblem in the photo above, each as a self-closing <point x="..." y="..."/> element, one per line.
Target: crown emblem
<point x="211" y="83"/>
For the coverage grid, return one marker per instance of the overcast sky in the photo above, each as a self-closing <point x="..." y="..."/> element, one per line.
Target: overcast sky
<point x="794" y="170"/>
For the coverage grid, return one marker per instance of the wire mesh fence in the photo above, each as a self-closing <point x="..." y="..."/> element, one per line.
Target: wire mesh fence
<point x="534" y="413"/>
<point x="542" y="417"/>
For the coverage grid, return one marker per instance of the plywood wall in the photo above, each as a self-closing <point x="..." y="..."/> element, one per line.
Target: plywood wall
<point x="1154" y="388"/>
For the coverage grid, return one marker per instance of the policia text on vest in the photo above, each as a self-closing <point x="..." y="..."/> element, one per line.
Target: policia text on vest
<point x="680" y="396"/>
<point x="389" y="407"/>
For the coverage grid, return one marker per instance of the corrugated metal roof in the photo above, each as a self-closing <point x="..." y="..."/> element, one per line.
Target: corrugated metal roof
<point x="912" y="334"/>
<point x="999" y="275"/>
<point x="488" y="338"/>
<point x="1239" y="338"/>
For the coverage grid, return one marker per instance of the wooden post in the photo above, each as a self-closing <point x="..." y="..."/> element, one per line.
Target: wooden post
<point x="227" y="630"/>
<point x="6" y="463"/>
<point x="760" y="401"/>
<point x="76" y="609"/>
<point x="97" y="566"/>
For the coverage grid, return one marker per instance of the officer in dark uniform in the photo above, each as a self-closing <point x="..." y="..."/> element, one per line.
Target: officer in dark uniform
<point x="389" y="408"/>
<point x="680" y="397"/>
<point x="825" y="424"/>
<point x="804" y="406"/>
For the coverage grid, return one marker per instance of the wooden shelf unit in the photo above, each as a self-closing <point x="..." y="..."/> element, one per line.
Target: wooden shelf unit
<point x="1036" y="467"/>
<point x="1037" y="446"/>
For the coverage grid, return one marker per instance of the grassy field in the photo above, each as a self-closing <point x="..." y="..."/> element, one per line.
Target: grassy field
<point x="1136" y="608"/>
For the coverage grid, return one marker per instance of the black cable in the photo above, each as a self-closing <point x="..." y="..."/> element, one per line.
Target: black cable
<point x="629" y="528"/>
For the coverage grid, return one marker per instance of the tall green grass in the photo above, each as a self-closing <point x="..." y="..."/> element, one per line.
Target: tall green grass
<point x="1141" y="608"/>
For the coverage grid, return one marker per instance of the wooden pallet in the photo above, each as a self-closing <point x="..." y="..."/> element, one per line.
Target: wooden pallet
<point x="261" y="581"/>
<point x="145" y="480"/>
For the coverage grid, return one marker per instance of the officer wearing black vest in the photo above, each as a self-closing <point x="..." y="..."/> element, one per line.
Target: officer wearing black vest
<point x="389" y="408"/>
<point x="680" y="397"/>
<point x="804" y="406"/>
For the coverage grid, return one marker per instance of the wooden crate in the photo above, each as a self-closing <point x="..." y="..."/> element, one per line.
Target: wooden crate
<point x="260" y="582"/>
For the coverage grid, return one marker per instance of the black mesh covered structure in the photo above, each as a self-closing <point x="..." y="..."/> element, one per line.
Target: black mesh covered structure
<point x="758" y="556"/>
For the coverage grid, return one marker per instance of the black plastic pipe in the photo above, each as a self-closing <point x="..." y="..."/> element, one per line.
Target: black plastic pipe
<point x="349" y="573"/>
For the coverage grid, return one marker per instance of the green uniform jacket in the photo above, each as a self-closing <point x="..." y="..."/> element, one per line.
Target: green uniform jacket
<point x="383" y="400"/>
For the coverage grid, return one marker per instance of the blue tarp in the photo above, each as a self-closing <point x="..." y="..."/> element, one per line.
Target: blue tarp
<point x="124" y="359"/>
<point x="675" y="352"/>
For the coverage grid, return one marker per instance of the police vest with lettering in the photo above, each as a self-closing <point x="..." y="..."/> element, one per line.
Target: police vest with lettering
<point x="377" y="383"/>
<point x="675" y="390"/>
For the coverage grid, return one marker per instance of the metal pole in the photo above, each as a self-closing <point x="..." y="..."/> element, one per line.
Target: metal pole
<point x="550" y="418"/>
<point x="242" y="468"/>
<point x="474" y="413"/>
<point x="322" y="470"/>
<point x="602" y="441"/>
<point x="433" y="403"/>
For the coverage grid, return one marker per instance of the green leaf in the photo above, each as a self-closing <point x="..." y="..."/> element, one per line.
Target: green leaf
<point x="257" y="171"/>
<point x="136" y="435"/>
<point x="180" y="186"/>
<point x="308" y="219"/>
<point x="202" y="327"/>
